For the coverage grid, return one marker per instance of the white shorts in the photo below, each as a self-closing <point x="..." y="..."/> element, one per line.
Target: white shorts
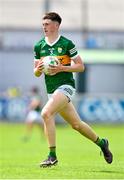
<point x="34" y="116"/>
<point x="67" y="90"/>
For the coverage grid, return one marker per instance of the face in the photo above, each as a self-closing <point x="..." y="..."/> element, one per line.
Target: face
<point x="50" y="27"/>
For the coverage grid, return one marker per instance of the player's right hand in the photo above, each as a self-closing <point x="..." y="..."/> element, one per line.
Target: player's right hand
<point x="40" y="66"/>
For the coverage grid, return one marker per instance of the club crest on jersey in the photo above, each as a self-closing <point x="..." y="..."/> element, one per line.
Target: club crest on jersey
<point x="59" y="49"/>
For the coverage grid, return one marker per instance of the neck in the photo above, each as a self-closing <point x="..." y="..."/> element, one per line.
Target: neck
<point x="52" y="38"/>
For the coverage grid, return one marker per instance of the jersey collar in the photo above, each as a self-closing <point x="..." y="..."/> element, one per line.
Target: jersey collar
<point x="51" y="44"/>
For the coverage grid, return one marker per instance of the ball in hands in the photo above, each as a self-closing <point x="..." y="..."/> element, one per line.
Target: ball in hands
<point x="47" y="61"/>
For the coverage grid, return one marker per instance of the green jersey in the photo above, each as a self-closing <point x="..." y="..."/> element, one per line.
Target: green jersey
<point x="65" y="50"/>
<point x="37" y="99"/>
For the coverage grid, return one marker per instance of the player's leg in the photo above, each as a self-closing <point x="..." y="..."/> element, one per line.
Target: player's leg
<point x="28" y="131"/>
<point x="71" y="116"/>
<point x="39" y="123"/>
<point x="54" y="104"/>
<point x="29" y="125"/>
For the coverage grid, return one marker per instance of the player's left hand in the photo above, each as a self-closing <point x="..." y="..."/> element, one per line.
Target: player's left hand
<point x="54" y="69"/>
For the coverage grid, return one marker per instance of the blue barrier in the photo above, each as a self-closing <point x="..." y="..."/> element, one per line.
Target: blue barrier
<point x="92" y="109"/>
<point x="3" y="107"/>
<point x="14" y="109"/>
<point x="101" y="109"/>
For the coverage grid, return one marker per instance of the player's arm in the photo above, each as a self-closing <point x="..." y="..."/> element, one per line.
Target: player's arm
<point x="77" y="65"/>
<point x="38" y="67"/>
<point x="77" y="62"/>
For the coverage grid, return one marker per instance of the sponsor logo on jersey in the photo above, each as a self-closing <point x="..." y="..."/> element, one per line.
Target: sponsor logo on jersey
<point x="51" y="50"/>
<point x="42" y="51"/>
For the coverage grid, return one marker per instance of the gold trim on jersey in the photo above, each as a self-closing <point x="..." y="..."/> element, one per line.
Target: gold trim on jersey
<point x="64" y="60"/>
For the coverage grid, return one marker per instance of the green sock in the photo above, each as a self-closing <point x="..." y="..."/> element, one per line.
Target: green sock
<point x="100" y="142"/>
<point x="52" y="151"/>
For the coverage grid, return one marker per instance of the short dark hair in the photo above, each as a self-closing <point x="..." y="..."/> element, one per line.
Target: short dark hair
<point x="53" y="17"/>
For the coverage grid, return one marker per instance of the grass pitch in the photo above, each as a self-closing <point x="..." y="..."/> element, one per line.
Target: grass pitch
<point x="78" y="157"/>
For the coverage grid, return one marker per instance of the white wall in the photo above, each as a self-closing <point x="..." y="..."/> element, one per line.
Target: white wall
<point x="21" y="13"/>
<point x="76" y="14"/>
<point x="106" y="14"/>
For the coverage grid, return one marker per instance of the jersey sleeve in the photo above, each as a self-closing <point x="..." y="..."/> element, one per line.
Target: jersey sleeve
<point x="36" y="52"/>
<point x="72" y="50"/>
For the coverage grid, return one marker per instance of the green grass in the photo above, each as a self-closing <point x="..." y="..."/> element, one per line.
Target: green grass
<point x="78" y="157"/>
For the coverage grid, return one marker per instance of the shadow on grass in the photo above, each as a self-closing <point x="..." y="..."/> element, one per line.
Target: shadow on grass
<point x="107" y="171"/>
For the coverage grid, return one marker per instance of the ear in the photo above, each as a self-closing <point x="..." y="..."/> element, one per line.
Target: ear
<point x="57" y="24"/>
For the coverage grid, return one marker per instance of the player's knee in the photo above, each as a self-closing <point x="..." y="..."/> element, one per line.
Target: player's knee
<point x="45" y="114"/>
<point x="76" y="126"/>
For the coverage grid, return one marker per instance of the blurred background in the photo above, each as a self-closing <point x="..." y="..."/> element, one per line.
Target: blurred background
<point x="96" y="27"/>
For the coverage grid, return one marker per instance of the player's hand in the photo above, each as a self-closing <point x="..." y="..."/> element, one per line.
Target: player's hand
<point x="40" y="66"/>
<point x="52" y="70"/>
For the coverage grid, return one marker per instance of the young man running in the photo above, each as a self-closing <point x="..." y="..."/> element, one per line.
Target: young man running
<point x="61" y="86"/>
